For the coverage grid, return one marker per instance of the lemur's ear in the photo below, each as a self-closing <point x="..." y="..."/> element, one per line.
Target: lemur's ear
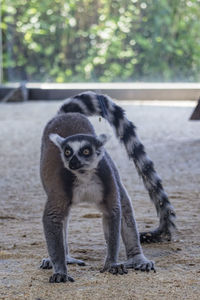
<point x="56" y="139"/>
<point x="103" y="138"/>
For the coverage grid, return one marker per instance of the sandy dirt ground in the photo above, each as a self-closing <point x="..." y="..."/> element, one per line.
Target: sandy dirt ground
<point x="172" y="142"/>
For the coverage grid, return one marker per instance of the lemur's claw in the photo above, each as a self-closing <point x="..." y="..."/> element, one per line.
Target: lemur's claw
<point x="115" y="269"/>
<point x="140" y="262"/>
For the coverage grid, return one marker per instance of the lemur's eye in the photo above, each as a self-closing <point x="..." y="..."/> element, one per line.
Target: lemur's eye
<point x="86" y="151"/>
<point x="68" y="152"/>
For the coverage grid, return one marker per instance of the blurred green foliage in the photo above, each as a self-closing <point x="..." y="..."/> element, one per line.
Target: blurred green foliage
<point x="101" y="40"/>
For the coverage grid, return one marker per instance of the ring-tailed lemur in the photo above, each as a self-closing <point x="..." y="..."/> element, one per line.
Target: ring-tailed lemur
<point x="75" y="167"/>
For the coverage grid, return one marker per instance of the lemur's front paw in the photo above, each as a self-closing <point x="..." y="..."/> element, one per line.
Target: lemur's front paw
<point x="115" y="269"/>
<point x="140" y="262"/>
<point x="46" y="264"/>
<point x="60" y="277"/>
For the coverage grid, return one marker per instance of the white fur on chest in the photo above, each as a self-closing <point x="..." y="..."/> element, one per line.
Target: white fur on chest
<point x="87" y="188"/>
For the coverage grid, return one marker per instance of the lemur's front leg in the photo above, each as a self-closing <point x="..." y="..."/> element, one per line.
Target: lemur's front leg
<point x="53" y="229"/>
<point x="130" y="236"/>
<point x="111" y="226"/>
<point x="46" y="262"/>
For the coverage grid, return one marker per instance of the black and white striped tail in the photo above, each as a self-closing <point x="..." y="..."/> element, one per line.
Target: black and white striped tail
<point x="90" y="104"/>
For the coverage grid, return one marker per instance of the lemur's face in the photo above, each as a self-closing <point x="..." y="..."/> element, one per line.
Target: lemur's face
<point x="80" y="152"/>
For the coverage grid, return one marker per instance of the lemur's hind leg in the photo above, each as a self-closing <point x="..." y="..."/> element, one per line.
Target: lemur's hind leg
<point x="111" y="227"/>
<point x="166" y="224"/>
<point x="69" y="259"/>
<point x="130" y="236"/>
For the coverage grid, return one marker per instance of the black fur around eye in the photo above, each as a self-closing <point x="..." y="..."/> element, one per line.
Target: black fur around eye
<point x="68" y="152"/>
<point x="87" y="151"/>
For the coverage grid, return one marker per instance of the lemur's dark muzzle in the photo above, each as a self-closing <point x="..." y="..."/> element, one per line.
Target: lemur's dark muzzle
<point x="74" y="163"/>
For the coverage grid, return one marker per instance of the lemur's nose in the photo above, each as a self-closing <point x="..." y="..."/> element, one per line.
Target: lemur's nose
<point x="74" y="163"/>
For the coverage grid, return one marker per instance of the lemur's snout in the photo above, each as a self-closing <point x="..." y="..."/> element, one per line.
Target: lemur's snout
<point x="74" y="163"/>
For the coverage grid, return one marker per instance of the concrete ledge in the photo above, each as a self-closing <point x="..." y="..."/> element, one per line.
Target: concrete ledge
<point x="120" y="91"/>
